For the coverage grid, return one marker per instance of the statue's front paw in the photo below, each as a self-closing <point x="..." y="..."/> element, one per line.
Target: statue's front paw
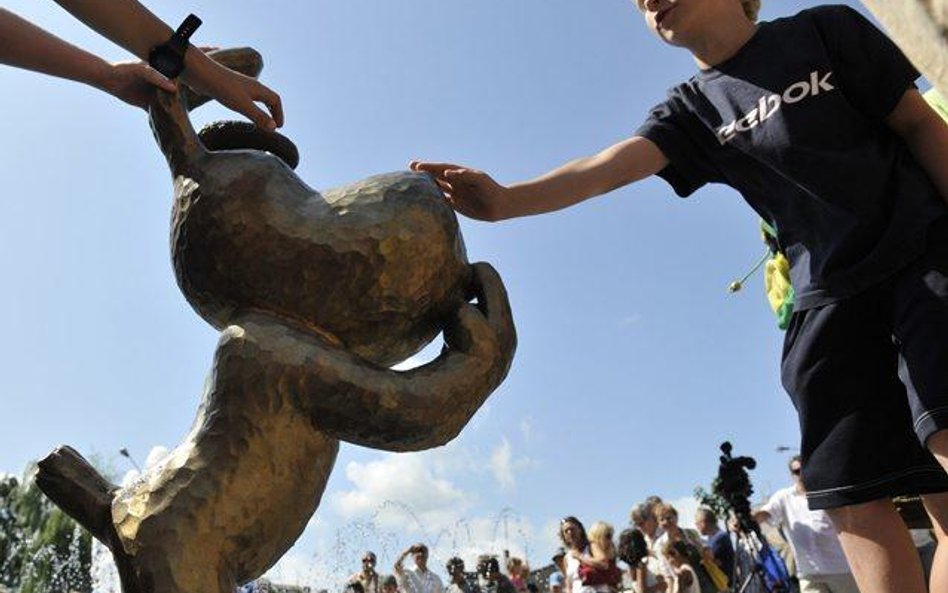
<point x="485" y="329"/>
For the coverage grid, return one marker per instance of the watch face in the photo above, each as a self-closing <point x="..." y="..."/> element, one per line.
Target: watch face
<point x="167" y="61"/>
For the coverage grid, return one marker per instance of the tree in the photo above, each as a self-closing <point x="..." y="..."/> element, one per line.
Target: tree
<point x="41" y="549"/>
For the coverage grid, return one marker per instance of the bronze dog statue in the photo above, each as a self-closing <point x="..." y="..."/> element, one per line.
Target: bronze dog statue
<point x="316" y="295"/>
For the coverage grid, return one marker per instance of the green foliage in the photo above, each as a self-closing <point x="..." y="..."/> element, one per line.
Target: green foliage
<point x="713" y="501"/>
<point x="41" y="549"/>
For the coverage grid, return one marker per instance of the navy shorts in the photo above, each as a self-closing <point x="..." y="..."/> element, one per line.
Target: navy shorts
<point x="868" y="376"/>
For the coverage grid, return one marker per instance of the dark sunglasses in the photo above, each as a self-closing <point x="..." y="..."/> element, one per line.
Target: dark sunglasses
<point x="795" y="471"/>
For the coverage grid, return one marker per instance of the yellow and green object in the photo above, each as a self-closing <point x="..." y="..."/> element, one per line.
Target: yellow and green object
<point x="777" y="284"/>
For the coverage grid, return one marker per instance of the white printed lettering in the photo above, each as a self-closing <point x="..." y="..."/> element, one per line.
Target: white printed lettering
<point x="817" y="83"/>
<point x="747" y="122"/>
<point x="796" y="92"/>
<point x="768" y="105"/>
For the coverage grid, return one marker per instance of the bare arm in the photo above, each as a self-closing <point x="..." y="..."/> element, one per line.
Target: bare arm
<point x="475" y="194"/>
<point x="134" y="27"/>
<point x="125" y="22"/>
<point x="926" y="134"/>
<point x="24" y="45"/>
<point x="685" y="577"/>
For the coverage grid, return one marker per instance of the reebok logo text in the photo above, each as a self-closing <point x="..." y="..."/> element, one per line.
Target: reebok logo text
<point x="770" y="104"/>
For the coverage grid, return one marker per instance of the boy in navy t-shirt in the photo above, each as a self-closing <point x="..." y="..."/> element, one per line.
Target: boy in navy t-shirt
<point x="816" y="121"/>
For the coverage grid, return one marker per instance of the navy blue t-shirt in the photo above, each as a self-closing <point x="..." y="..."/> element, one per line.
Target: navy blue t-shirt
<point x="794" y="122"/>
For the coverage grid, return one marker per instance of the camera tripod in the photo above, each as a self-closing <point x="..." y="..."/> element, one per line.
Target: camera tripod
<point x="751" y="576"/>
<point x="765" y="568"/>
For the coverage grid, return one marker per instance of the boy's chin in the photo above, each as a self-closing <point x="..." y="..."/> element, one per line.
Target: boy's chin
<point x="670" y="38"/>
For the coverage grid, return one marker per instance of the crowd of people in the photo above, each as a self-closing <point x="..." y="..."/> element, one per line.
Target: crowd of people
<point x="654" y="554"/>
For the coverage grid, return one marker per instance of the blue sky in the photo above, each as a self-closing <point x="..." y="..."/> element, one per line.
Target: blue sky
<point x="633" y="364"/>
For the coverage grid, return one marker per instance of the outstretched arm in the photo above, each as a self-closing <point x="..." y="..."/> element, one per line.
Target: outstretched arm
<point x="476" y="195"/>
<point x="134" y="27"/>
<point x="24" y="45"/>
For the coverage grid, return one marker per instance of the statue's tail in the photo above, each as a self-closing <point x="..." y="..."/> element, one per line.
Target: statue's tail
<point x="83" y="494"/>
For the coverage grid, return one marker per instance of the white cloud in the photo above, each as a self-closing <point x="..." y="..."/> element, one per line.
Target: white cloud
<point x="505" y="466"/>
<point x="501" y="467"/>
<point x="526" y="429"/>
<point x="155" y="456"/>
<point x="687" y="507"/>
<point x="401" y="491"/>
<point x="630" y="319"/>
<point x="399" y="499"/>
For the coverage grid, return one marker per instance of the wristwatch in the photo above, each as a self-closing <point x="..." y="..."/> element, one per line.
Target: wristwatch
<point x="168" y="58"/>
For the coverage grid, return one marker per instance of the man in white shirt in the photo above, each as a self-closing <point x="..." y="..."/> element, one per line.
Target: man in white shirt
<point x="821" y="564"/>
<point x="367" y="577"/>
<point x="418" y="579"/>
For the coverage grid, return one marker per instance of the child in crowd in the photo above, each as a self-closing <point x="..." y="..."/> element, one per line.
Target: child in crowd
<point x="518" y="571"/>
<point x="816" y="121"/>
<point x="131" y="25"/>
<point x="597" y="564"/>
<point x="686" y="580"/>
<point x="644" y="572"/>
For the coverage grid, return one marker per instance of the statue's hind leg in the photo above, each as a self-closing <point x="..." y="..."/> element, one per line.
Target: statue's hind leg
<point x="229" y="501"/>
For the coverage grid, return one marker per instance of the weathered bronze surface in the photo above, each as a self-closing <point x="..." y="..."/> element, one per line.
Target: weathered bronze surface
<point x="920" y="27"/>
<point x="316" y="295"/>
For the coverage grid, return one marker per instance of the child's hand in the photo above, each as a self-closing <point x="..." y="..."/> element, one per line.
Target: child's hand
<point x="471" y="192"/>
<point x="134" y="82"/>
<point x="234" y="90"/>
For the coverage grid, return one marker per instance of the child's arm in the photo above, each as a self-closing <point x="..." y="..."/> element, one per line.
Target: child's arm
<point x="597" y="557"/>
<point x="25" y="45"/>
<point x="475" y="194"/>
<point x="925" y="133"/>
<point x="685" y="577"/>
<point x="132" y="26"/>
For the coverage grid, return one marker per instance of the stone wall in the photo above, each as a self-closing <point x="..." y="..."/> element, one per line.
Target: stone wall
<point x="920" y="27"/>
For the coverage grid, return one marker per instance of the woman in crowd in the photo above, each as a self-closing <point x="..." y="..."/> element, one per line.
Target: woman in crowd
<point x="574" y="538"/>
<point x="667" y="517"/>
<point x="580" y="551"/>
<point x="644" y="572"/>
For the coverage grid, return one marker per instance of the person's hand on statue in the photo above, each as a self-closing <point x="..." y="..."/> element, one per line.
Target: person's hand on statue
<point x="133" y="82"/>
<point x="132" y="26"/>
<point x="234" y="90"/>
<point x="471" y="192"/>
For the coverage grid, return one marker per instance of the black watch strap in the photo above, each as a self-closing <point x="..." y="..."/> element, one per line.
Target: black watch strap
<point x="168" y="57"/>
<point x="187" y="28"/>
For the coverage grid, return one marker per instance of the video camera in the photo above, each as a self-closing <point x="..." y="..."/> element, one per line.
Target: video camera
<point x="734" y="486"/>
